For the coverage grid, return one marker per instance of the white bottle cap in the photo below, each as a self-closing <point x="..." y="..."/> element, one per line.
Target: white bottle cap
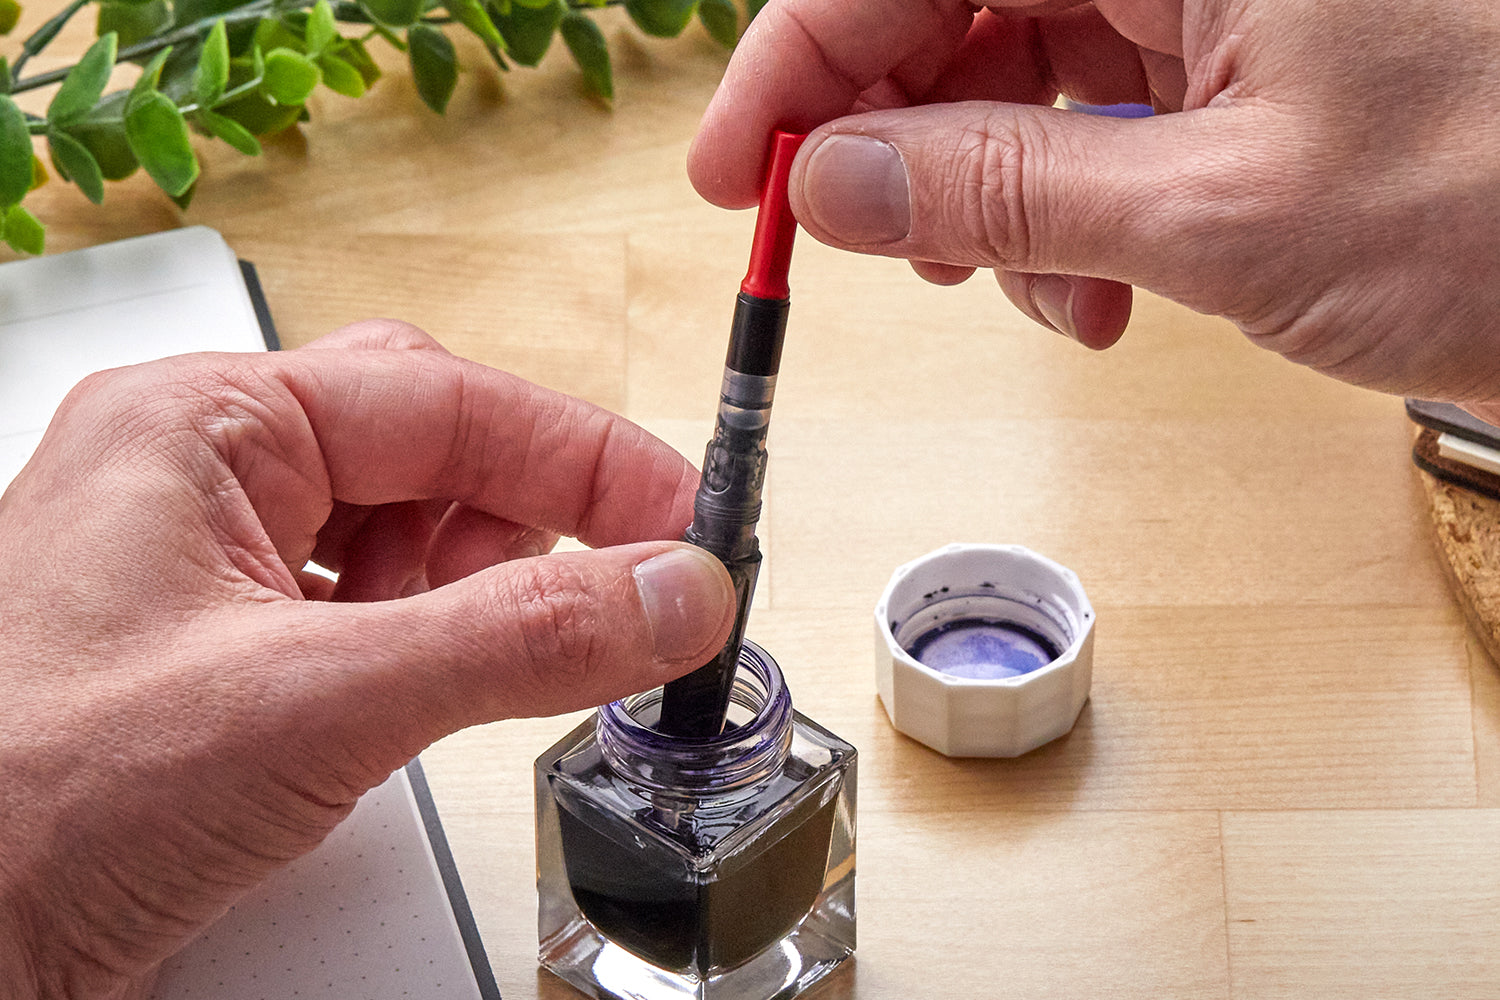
<point x="983" y="650"/>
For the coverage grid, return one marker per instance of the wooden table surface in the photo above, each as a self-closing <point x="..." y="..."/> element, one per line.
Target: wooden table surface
<point x="1286" y="781"/>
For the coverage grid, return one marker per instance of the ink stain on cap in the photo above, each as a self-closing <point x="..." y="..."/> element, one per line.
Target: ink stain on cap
<point x="982" y="649"/>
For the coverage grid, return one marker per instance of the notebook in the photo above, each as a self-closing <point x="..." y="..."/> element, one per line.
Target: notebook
<point x="377" y="911"/>
<point x="1457" y="446"/>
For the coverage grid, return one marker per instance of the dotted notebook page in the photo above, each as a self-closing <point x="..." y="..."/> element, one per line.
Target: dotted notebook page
<point x="365" y="916"/>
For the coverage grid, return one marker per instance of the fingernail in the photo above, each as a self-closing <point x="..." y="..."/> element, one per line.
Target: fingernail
<point x="1052" y="294"/>
<point x="685" y="593"/>
<point x="857" y="190"/>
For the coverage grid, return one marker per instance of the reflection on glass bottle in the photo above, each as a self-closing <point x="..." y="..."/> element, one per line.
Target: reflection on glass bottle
<point x="718" y="868"/>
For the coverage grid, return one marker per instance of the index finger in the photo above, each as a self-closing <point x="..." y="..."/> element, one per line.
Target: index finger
<point x="801" y="63"/>
<point x="805" y="62"/>
<point x="269" y="443"/>
<point x="417" y="425"/>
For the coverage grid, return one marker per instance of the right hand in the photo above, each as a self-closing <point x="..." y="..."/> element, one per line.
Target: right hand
<point x="1331" y="181"/>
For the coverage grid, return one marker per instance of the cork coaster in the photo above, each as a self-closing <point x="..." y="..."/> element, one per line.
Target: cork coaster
<point x="1467" y="529"/>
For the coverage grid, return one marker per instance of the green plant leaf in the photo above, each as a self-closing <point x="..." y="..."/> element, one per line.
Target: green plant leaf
<point x="185" y="199"/>
<point x="77" y="164"/>
<point x="753" y="7"/>
<point x="434" y="65"/>
<point x="722" y="20"/>
<point x="38" y="173"/>
<point x="145" y="84"/>
<point x="254" y="110"/>
<point x="212" y="74"/>
<point x="290" y="77"/>
<point x="180" y="71"/>
<point x="4" y="75"/>
<point x="186" y="12"/>
<point x="354" y="53"/>
<point x="158" y="136"/>
<point x="528" y="31"/>
<point x="471" y="15"/>
<point x="259" y="115"/>
<point x="534" y="4"/>
<point x="10" y="15"/>
<point x="133" y="22"/>
<point x="395" y="13"/>
<point x="102" y="133"/>
<point x="662" y="18"/>
<point x="340" y="77"/>
<point x="586" y="42"/>
<point x="15" y="153"/>
<point x="230" y="131"/>
<point x="321" y="28"/>
<point x="272" y="34"/>
<point x="23" y="232"/>
<point x="84" y="84"/>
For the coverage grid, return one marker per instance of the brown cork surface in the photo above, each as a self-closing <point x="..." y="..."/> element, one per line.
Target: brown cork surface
<point x="1467" y="531"/>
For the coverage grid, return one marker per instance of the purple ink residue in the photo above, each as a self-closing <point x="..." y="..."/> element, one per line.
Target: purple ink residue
<point x="982" y="649"/>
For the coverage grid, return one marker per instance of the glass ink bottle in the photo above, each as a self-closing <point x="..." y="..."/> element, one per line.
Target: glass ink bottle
<point x="715" y="868"/>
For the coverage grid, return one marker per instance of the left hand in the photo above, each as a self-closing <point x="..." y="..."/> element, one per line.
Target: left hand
<point x="178" y="721"/>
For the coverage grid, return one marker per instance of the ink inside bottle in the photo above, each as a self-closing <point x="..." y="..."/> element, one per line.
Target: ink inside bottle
<point x="717" y="868"/>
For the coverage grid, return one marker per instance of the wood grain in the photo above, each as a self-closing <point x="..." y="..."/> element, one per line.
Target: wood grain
<point x="1284" y="781"/>
<point x="1362" y="903"/>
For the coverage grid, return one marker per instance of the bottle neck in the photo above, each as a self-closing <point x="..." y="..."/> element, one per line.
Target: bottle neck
<point x="754" y="744"/>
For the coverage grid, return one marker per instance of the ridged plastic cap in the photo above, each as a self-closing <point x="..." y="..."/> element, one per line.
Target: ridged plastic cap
<point x="983" y="650"/>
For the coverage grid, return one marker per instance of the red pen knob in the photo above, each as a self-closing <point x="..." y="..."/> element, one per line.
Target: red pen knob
<point x="775" y="227"/>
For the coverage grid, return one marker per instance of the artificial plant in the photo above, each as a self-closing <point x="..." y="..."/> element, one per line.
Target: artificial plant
<point x="239" y="69"/>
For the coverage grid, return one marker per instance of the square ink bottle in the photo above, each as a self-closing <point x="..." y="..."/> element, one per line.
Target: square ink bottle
<point x="717" y="868"/>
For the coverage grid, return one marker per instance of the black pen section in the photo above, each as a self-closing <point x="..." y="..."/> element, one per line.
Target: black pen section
<point x="756" y="334"/>
<point x="697" y="703"/>
<point x="728" y="504"/>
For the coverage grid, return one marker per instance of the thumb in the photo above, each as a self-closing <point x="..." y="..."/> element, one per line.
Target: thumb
<point x="1038" y="191"/>
<point x="530" y="637"/>
<point x="574" y="630"/>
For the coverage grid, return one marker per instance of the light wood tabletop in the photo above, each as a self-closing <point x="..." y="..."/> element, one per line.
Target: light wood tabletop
<point x="1286" y="781"/>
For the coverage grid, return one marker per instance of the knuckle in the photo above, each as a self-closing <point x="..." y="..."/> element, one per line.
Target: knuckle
<point x="995" y="208"/>
<point x="156" y="409"/>
<point x="381" y="333"/>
